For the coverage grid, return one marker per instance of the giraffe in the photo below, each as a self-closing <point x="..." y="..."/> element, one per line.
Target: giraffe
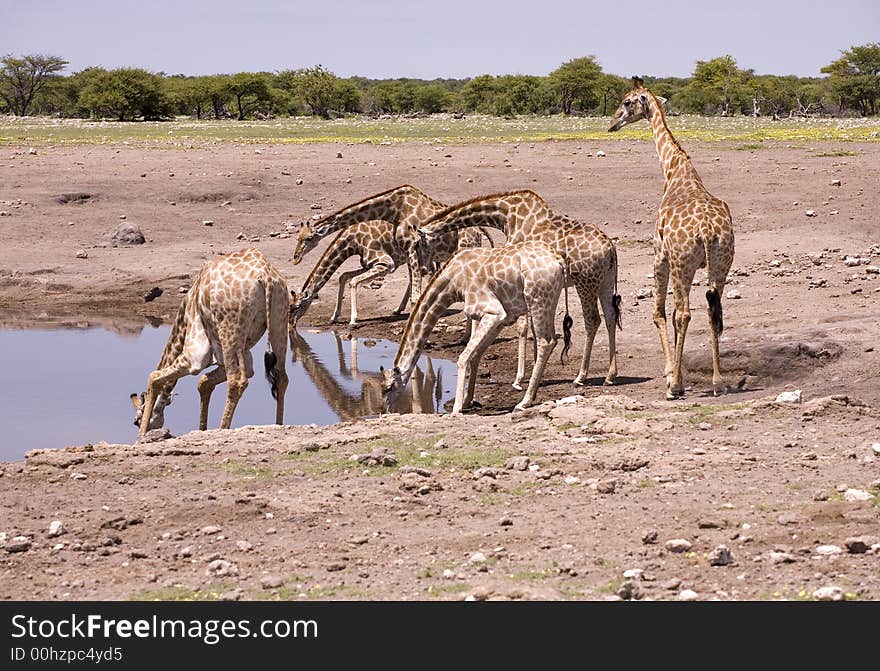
<point x="350" y="406"/>
<point x="232" y="302"/>
<point x="694" y="230"/>
<point x="403" y="207"/>
<point x="497" y="286"/>
<point x="589" y="257"/>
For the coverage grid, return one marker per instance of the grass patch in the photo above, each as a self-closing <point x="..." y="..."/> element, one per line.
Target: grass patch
<point x="749" y="146"/>
<point x="250" y="471"/>
<point x="611" y="586"/>
<point x="181" y="593"/>
<point x="835" y="154"/>
<point x="567" y="426"/>
<point x="185" y="133"/>
<point x="530" y="575"/>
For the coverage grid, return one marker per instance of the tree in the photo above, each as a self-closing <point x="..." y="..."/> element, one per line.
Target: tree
<point x="574" y="83"/>
<point x="716" y="85"/>
<point x="431" y="98"/>
<point x="316" y="86"/>
<point x="125" y="93"/>
<point x="855" y="78"/>
<point x="250" y="90"/>
<point x="22" y="78"/>
<point x="613" y="88"/>
<point x="477" y="94"/>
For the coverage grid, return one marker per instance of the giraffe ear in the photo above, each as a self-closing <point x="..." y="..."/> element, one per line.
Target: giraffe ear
<point x="381" y="368"/>
<point x="636" y="82"/>
<point x="396" y="370"/>
<point x="644" y="99"/>
<point x="137" y="402"/>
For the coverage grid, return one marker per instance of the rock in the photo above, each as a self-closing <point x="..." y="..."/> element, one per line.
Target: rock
<point x="517" y="463"/>
<point x="733" y="294"/>
<point x="18" y="544"/>
<point x="56" y="528"/>
<point x="607" y="486"/>
<point x="857" y="495"/>
<point x="441" y="444"/>
<point x="573" y="480"/>
<point x="186" y="552"/>
<point x="629" y="591"/>
<point x="677" y="545"/>
<point x="711" y="524"/>
<point x="125" y="235"/>
<point x="334" y="567"/>
<point x="232" y="595"/>
<point x="211" y="529"/>
<point x="633" y="573"/>
<point x="32" y="151"/>
<point x="220" y="568"/>
<point x="828" y="550"/>
<point x="789" y="397"/>
<point x="78" y="476"/>
<point x="810" y="213"/>
<point x="155" y="435"/>
<point x="271" y="582"/>
<point x="830" y="593"/>
<point x="207" y="222"/>
<point x="299" y="182"/>
<point x="705" y="426"/>
<point x="138" y="553"/>
<point x="448" y="574"/>
<point x="477" y="558"/>
<point x="152" y="294"/>
<point x="671" y="584"/>
<point x="835" y="182"/>
<point x="82" y="254"/>
<point x="244" y="546"/>
<point x="857" y="545"/>
<point x="688" y="595"/>
<point x="505" y="522"/>
<point x="875" y="448"/>
<point x="600" y="153"/>
<point x="720" y="556"/>
<point x="781" y="557"/>
<point x="650" y="538"/>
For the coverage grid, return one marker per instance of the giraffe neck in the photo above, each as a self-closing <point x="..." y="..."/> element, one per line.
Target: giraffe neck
<point x="392" y="206"/>
<point x="440" y="293"/>
<point x="335" y="255"/>
<point x="174" y="346"/>
<point x="492" y="213"/>
<point x="674" y="160"/>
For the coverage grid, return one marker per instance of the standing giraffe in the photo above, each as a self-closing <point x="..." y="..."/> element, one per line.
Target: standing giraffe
<point x="497" y="286"/>
<point x="694" y="230"/>
<point x="404" y="207"/>
<point x="589" y="256"/>
<point x="233" y="301"/>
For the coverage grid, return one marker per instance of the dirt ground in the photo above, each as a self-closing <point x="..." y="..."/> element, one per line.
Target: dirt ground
<point x="423" y="507"/>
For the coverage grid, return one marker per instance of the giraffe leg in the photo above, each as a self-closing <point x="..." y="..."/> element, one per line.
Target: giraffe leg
<point x="376" y="270"/>
<point x="486" y="330"/>
<point x="475" y="364"/>
<point x="278" y="343"/>
<point x="681" y="287"/>
<point x="206" y="387"/>
<point x="590" y="308"/>
<point x="545" y="336"/>
<point x="522" y="327"/>
<point x="238" y="371"/>
<point x="415" y="274"/>
<point x="661" y="282"/>
<point x="406" y="295"/>
<point x="468" y="329"/>
<point x="344" y="279"/>
<point x="156" y="382"/>
<point x="611" y="312"/>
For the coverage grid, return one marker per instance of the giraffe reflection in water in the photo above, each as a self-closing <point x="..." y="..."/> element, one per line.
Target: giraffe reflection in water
<point x="426" y="393"/>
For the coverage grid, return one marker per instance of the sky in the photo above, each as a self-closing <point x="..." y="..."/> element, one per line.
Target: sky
<point x="452" y="38"/>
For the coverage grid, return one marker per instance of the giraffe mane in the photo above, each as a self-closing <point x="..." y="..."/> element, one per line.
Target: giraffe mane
<point x="492" y="196"/>
<point x="402" y="187"/>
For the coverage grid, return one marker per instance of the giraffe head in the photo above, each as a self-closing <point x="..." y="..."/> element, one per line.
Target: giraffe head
<point x="392" y="386"/>
<point x="299" y="305"/>
<point x="634" y="106"/>
<point x="307" y="239"/>
<point x="157" y="420"/>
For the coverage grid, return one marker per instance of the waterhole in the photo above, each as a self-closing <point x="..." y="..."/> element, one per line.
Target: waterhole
<point x="71" y="386"/>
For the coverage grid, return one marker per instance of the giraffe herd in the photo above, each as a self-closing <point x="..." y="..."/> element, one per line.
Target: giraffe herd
<point x="234" y="300"/>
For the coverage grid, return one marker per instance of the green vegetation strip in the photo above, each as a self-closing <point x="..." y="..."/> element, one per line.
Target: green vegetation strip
<point x="439" y="129"/>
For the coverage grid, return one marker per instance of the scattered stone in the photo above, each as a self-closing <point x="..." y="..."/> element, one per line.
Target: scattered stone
<point x="156" y="435"/>
<point x="232" y="595"/>
<point x="18" y="544"/>
<point x="186" y="552"/>
<point x="607" y="486"/>
<point x="678" y="545"/>
<point x="720" y="556"/>
<point x="517" y="463"/>
<point x="875" y="447"/>
<point x="830" y="593"/>
<point x="505" y="522"/>
<point x="710" y="524"/>
<point x="835" y="182"/>
<point x="650" y="537"/>
<point x="733" y="294"/>
<point x="573" y="480"/>
<point x="32" y="151"/>
<point x="477" y="558"/>
<point x="859" y="544"/>
<point x="441" y="444"/>
<point x="448" y="574"/>
<point x="299" y="181"/>
<point x="853" y="495"/>
<point x="629" y="591"/>
<point x="271" y="582"/>
<point x="705" y="426"/>
<point x="220" y="568"/>
<point x="333" y="567"/>
<point x="828" y="550"/>
<point x="78" y="476"/>
<point x="244" y="546"/>
<point x="125" y="235"/>
<point x="688" y="595"/>
<point x="633" y="573"/>
<point x="152" y="294"/>
<point x="810" y="213"/>
<point x="782" y="557"/>
<point x="138" y="553"/>
<point x="208" y="222"/>
<point x="789" y="396"/>
<point x="600" y="153"/>
<point x="82" y="254"/>
<point x="56" y="528"/>
<point x="211" y="529"/>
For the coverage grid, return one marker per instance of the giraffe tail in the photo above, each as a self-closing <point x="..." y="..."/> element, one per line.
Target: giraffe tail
<point x="567" y="322"/>
<point x="615" y="297"/>
<point x="270" y="359"/>
<point x="486" y="233"/>
<point x="713" y="297"/>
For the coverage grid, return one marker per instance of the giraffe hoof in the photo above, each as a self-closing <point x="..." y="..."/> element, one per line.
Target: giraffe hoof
<point x="579" y="381"/>
<point x="609" y="382"/>
<point x="517" y="386"/>
<point x="719" y="389"/>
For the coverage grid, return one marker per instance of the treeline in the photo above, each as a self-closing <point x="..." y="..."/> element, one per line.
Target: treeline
<point x="34" y="85"/>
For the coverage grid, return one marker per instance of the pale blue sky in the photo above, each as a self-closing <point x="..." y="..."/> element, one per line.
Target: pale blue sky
<point x="455" y="38"/>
